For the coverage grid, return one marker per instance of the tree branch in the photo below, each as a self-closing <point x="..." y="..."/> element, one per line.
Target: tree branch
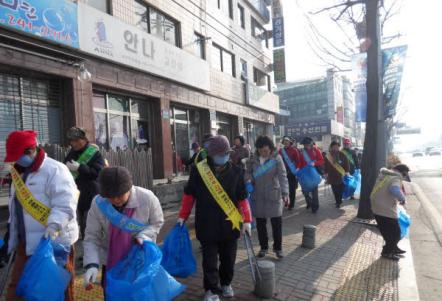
<point x="347" y="4"/>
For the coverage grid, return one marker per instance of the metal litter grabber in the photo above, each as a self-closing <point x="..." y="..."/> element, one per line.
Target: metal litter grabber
<point x="263" y="272"/>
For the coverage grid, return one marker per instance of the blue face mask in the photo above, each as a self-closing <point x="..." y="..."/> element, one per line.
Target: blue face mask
<point x="206" y="145"/>
<point x="220" y="160"/>
<point x="25" y="161"/>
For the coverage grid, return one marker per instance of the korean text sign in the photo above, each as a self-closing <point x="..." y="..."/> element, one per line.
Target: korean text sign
<point x="109" y="38"/>
<point x="51" y="20"/>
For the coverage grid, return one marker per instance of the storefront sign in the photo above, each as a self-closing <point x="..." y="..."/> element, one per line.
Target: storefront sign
<point x="51" y="20"/>
<point x="279" y="65"/>
<point x="311" y="128"/>
<point x="262" y="99"/>
<point x="107" y="37"/>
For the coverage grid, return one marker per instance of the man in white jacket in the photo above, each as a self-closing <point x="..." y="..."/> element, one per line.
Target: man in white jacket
<point x="121" y="215"/>
<point x="38" y="181"/>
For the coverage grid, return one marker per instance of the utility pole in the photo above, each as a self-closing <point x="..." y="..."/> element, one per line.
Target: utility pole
<point x="374" y="156"/>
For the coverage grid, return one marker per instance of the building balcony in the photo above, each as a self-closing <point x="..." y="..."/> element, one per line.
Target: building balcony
<point x="261" y="7"/>
<point x="260" y="98"/>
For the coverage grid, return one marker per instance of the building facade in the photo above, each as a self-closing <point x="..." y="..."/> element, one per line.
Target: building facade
<point x="137" y="73"/>
<point x="321" y="108"/>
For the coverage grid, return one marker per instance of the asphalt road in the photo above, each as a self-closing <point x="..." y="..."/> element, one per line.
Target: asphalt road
<point x="426" y="249"/>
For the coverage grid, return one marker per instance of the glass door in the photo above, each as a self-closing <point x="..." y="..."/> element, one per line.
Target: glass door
<point x="181" y="136"/>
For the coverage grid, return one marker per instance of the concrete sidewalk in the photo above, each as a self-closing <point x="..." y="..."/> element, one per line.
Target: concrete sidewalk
<point x="345" y="265"/>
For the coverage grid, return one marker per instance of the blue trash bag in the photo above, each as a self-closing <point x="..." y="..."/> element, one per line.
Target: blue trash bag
<point x="358" y="178"/>
<point x="139" y="276"/>
<point x="178" y="259"/>
<point x="350" y="185"/>
<point x="308" y="178"/>
<point x="42" y="279"/>
<point x="404" y="221"/>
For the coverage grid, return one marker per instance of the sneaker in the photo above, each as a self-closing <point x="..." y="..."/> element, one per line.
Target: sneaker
<point x="209" y="296"/>
<point x="338" y="205"/>
<point x="227" y="291"/>
<point x="390" y="256"/>
<point x="262" y="253"/>
<point x="279" y="254"/>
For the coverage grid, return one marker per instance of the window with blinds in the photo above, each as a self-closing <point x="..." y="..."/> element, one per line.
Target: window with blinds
<point x="29" y="103"/>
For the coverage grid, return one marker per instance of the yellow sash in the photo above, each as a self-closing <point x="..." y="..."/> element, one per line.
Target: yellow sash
<point x="40" y="212"/>
<point x="379" y="185"/>
<point x="219" y="194"/>
<point x="338" y="167"/>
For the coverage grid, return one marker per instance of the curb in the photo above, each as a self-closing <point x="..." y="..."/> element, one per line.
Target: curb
<point x="431" y="212"/>
<point x="407" y="283"/>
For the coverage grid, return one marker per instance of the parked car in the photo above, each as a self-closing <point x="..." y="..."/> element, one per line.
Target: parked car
<point x="435" y="152"/>
<point x="418" y="154"/>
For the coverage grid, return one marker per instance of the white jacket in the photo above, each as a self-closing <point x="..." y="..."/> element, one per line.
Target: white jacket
<point x="53" y="185"/>
<point x="147" y="211"/>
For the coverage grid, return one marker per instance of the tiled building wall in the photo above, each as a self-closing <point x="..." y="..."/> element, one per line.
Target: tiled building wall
<point x="204" y="17"/>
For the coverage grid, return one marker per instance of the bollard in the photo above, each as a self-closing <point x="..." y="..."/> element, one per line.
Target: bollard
<point x="265" y="287"/>
<point x="309" y="236"/>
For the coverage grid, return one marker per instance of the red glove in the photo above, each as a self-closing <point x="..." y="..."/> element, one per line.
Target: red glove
<point x="244" y="209"/>
<point x="186" y="206"/>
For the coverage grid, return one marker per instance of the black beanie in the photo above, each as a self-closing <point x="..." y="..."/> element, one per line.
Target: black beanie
<point x="114" y="181"/>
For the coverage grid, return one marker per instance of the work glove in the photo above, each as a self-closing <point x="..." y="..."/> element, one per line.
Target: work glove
<point x="141" y="238"/>
<point x="73" y="165"/>
<point x="181" y="221"/>
<point x="90" y="277"/>
<point x="246" y="228"/>
<point x="286" y="201"/>
<point x="249" y="187"/>
<point x="52" y="231"/>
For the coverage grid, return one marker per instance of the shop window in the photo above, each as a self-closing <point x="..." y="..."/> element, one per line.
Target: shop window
<point x="157" y="23"/>
<point x="223" y="60"/>
<point x="185" y="129"/>
<point x="121" y="122"/>
<point x="259" y="32"/>
<point x="199" y="43"/>
<point x="261" y="79"/>
<point x="102" y="5"/>
<point x="241" y="16"/>
<point x="29" y="103"/>
<point x="225" y="125"/>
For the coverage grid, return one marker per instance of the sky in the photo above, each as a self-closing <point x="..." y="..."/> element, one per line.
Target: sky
<point x="420" y="102"/>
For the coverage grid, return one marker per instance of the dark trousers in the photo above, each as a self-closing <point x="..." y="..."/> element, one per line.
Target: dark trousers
<point x="82" y="218"/>
<point x="226" y="250"/>
<point x="261" y="225"/>
<point x="312" y="199"/>
<point x="293" y="184"/>
<point x="338" y="190"/>
<point x="390" y="231"/>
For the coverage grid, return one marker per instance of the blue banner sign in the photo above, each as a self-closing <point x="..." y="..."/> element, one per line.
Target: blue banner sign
<point x="393" y="66"/>
<point x="47" y="19"/>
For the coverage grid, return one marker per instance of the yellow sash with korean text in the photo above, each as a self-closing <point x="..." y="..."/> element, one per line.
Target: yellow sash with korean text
<point x="338" y="167"/>
<point x="379" y="185"/>
<point x="219" y="194"/>
<point x="39" y="211"/>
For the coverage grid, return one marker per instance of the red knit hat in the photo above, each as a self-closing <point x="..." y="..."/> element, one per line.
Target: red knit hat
<point x="18" y="142"/>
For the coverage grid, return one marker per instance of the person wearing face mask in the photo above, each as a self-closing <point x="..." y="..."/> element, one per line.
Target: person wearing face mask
<point x="292" y="157"/>
<point x="108" y="238"/>
<point x="267" y="173"/>
<point x="43" y="182"/>
<point x="85" y="163"/>
<point x="336" y="166"/>
<point x="217" y="188"/>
